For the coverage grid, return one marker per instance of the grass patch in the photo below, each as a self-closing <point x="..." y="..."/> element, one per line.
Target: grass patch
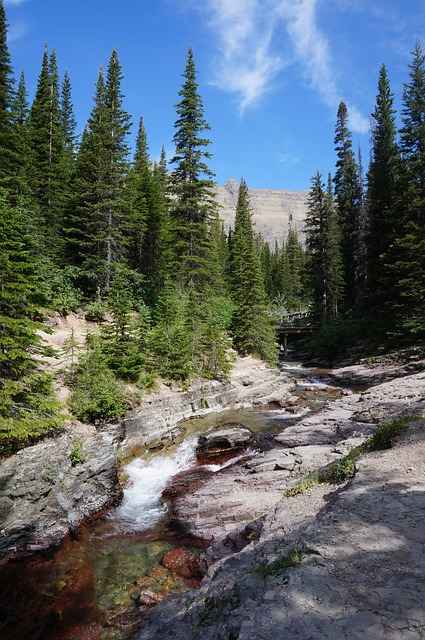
<point x="287" y="561"/>
<point x="213" y="608"/>
<point x="344" y="469"/>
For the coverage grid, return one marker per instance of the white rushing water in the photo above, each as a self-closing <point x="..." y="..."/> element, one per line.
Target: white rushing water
<point x="141" y="507"/>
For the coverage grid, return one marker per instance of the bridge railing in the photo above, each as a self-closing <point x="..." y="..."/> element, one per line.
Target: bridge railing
<point x="298" y="319"/>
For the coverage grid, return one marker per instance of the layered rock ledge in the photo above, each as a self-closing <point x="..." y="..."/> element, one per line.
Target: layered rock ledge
<point x="362" y="573"/>
<point x="45" y="492"/>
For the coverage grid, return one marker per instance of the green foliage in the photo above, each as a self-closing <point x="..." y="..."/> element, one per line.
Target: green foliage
<point x="96" y="311"/>
<point x="383" y="438"/>
<point x="96" y="394"/>
<point x="214" y="606"/>
<point x="193" y="214"/>
<point x="333" y="340"/>
<point x="251" y="326"/>
<point x="97" y="224"/>
<point x="300" y="488"/>
<point x="347" y="196"/>
<point x="266" y="568"/>
<point x="324" y="265"/>
<point x="124" y="339"/>
<point x="344" y="469"/>
<point x="28" y="408"/>
<point x="77" y="452"/>
<point x="59" y="289"/>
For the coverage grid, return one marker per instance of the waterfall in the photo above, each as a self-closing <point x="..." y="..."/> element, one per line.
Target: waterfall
<point x="141" y="507"/>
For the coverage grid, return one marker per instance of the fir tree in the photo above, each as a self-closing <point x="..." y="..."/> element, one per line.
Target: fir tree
<point x="406" y="263"/>
<point x="170" y="341"/>
<point x="47" y="146"/>
<point x="324" y="264"/>
<point x="148" y="219"/>
<point x="20" y="111"/>
<point x="97" y="234"/>
<point x="382" y="196"/>
<point x="10" y="158"/>
<point x="294" y="254"/>
<point x="27" y="407"/>
<point x="346" y="182"/>
<point x="121" y="343"/>
<point x="252" y="329"/>
<point x="195" y="206"/>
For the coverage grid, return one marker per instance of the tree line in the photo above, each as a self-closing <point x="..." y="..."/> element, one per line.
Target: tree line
<point x="366" y="230"/>
<point x="137" y="245"/>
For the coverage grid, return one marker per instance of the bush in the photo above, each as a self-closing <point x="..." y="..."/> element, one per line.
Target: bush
<point x="96" y="394"/>
<point x="333" y="340"/>
<point x="96" y="312"/>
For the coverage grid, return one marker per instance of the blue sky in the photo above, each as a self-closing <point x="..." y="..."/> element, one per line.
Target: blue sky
<point x="271" y="72"/>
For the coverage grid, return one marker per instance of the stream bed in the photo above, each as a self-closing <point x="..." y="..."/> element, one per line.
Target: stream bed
<point x="98" y="584"/>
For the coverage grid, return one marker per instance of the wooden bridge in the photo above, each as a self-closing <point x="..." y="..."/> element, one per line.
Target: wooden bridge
<point x="294" y="324"/>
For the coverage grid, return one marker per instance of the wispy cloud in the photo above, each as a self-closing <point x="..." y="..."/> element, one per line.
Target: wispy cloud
<point x="289" y="160"/>
<point x="250" y="62"/>
<point x="13" y="3"/>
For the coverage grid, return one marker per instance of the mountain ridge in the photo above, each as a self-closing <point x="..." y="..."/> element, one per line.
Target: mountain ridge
<point x="271" y="210"/>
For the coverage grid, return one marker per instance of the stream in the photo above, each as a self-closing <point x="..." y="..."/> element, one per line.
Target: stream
<point x="90" y="589"/>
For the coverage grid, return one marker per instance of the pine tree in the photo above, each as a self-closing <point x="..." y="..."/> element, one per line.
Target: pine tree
<point x="294" y="254"/>
<point x="170" y="340"/>
<point x="195" y="206"/>
<point x="20" y="109"/>
<point x="360" y="239"/>
<point x="68" y="127"/>
<point x="347" y="193"/>
<point x="121" y="343"/>
<point x="324" y="264"/>
<point x="252" y="329"/>
<point x="10" y="159"/>
<point x="407" y="255"/>
<point x="27" y="407"/>
<point x="47" y="147"/>
<point x="148" y="219"/>
<point x="382" y="195"/>
<point x="97" y="234"/>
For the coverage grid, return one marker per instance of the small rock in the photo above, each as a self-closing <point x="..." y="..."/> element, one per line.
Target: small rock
<point x="182" y="562"/>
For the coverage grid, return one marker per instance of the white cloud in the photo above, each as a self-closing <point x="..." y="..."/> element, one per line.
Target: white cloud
<point x="289" y="160"/>
<point x="16" y="31"/>
<point x="245" y="64"/>
<point x="13" y="3"/>
<point x="249" y="63"/>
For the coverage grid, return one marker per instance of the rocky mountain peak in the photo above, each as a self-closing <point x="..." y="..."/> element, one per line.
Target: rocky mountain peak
<point x="271" y="210"/>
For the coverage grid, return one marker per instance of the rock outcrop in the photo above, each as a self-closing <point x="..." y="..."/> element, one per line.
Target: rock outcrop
<point x="271" y="210"/>
<point x="48" y="489"/>
<point x="45" y="491"/>
<point x="359" y="569"/>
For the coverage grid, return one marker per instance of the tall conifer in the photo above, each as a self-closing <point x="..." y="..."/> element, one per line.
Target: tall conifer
<point x="195" y="207"/>
<point x="97" y="234"/>
<point x="324" y="264"/>
<point x="346" y="183"/>
<point x="10" y="157"/>
<point x="382" y="191"/>
<point x="252" y="329"/>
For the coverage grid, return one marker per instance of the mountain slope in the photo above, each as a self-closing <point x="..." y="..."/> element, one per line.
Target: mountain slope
<point x="271" y="210"/>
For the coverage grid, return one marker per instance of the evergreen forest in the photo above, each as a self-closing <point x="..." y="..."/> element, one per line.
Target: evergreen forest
<point x="138" y="247"/>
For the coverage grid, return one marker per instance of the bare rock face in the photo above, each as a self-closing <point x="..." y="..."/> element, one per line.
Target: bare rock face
<point x="44" y="494"/>
<point x="271" y="210"/>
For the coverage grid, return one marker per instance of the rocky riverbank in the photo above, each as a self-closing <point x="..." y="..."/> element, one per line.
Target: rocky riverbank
<point x="357" y="548"/>
<point x="51" y="488"/>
